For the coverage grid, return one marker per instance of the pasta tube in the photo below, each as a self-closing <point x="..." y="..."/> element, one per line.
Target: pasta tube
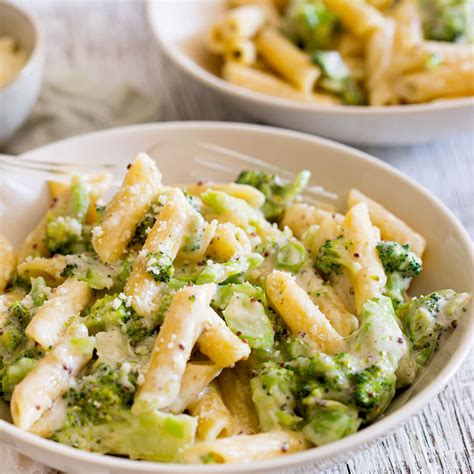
<point x="247" y="448"/>
<point x="229" y="241"/>
<point x="140" y="186"/>
<point x="391" y="227"/>
<point x="174" y="343"/>
<point x="300" y="314"/>
<point x="51" y="377"/>
<point x="48" y="268"/>
<point x="158" y="252"/>
<point x="214" y="419"/>
<point x="67" y="300"/>
<point x="219" y="343"/>
<point x="288" y="60"/>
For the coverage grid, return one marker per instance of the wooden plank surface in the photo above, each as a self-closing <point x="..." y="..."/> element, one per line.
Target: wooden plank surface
<point x="109" y="40"/>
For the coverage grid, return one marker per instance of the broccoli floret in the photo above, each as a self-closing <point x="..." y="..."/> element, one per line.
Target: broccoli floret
<point x="291" y="257"/>
<point x="160" y="266"/>
<point x="13" y="374"/>
<point x="447" y="20"/>
<point x="373" y="390"/>
<point x="115" y="311"/>
<point x="224" y="294"/>
<point x="334" y="255"/>
<point x="103" y="395"/>
<point x="426" y="318"/>
<point x="12" y="332"/>
<point x="272" y="393"/>
<point x="330" y="420"/>
<point x="89" y="269"/>
<point x="63" y="234"/>
<point x="310" y="24"/>
<point x="143" y="227"/>
<point x="401" y="265"/>
<point x="337" y="78"/>
<point x="278" y="195"/>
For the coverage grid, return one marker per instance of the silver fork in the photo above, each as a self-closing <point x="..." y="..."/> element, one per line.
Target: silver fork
<point x="211" y="162"/>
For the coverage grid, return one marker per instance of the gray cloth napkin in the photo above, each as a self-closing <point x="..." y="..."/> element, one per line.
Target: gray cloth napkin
<point x="71" y="103"/>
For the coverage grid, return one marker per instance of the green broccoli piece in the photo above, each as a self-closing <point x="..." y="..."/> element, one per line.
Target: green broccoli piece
<point x="426" y="318"/>
<point x="330" y="420"/>
<point x="291" y="257"/>
<point x="374" y="389"/>
<point x="272" y="394"/>
<point x="115" y="311"/>
<point x="221" y="272"/>
<point x="12" y="332"/>
<point x="278" y="195"/>
<point x="246" y="317"/>
<point x="335" y="255"/>
<point x="224" y="293"/>
<point x="145" y="225"/>
<point x="160" y="266"/>
<point x="90" y="270"/>
<point x="310" y="24"/>
<point x="337" y="78"/>
<point x="13" y="374"/>
<point x="401" y="265"/>
<point x="98" y="418"/>
<point x="39" y="291"/>
<point x="447" y="20"/>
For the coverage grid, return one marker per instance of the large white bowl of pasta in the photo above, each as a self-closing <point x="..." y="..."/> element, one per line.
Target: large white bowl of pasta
<point x="367" y="75"/>
<point x="231" y="327"/>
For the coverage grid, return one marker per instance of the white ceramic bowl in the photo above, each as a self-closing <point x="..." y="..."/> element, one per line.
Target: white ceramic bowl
<point x="448" y="260"/>
<point x="180" y="28"/>
<point x="19" y="95"/>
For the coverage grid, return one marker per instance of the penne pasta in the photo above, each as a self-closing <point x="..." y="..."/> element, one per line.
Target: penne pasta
<point x="48" y="268"/>
<point x="240" y="50"/>
<point x="244" y="21"/>
<point x="180" y="330"/>
<point x="51" y="377"/>
<point x="300" y="314"/>
<point x="286" y="59"/>
<point x="66" y="301"/>
<point x="246" y="448"/>
<point x="214" y="419"/>
<point x="234" y="385"/>
<point x="391" y="227"/>
<point x="140" y="186"/>
<point x="228" y="242"/>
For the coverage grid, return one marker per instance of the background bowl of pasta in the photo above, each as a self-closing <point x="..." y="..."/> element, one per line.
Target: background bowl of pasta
<point x="418" y="89"/>
<point x="21" y="66"/>
<point x="210" y="151"/>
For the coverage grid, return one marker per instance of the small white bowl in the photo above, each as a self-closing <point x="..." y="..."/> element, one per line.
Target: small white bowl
<point x="448" y="261"/>
<point x="19" y="95"/>
<point x="180" y="29"/>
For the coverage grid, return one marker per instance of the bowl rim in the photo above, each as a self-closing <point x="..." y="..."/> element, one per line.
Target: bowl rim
<point x="38" y="46"/>
<point x="186" y="64"/>
<point x="358" y="440"/>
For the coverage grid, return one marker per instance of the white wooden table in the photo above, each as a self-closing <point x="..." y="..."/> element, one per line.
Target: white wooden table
<point x="110" y="40"/>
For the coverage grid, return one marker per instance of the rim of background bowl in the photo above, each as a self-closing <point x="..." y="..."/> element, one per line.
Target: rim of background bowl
<point x="38" y="46"/>
<point x="356" y="441"/>
<point x="176" y="56"/>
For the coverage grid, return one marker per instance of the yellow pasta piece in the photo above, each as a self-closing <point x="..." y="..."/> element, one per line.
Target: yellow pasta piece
<point x="182" y="326"/>
<point x="455" y="80"/>
<point x="48" y="268"/>
<point x="288" y="60"/>
<point x="391" y="227"/>
<point x="229" y="241"/>
<point x="214" y="419"/>
<point x="56" y="188"/>
<point x="325" y="297"/>
<point x="265" y="83"/>
<point x="379" y="54"/>
<point x="219" y="343"/>
<point x="358" y="231"/>
<point x="255" y="447"/>
<point x="240" y="50"/>
<point x="327" y="230"/>
<point x="140" y="186"/>
<point x="299" y="217"/>
<point x="235" y="389"/>
<point x="196" y="378"/>
<point x="164" y="240"/>
<point x="358" y="17"/>
<point x="51" y="377"/>
<point x="300" y="314"/>
<point x="248" y="193"/>
<point x="408" y="31"/>
<point x="7" y="261"/>
<point x="49" y="322"/>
